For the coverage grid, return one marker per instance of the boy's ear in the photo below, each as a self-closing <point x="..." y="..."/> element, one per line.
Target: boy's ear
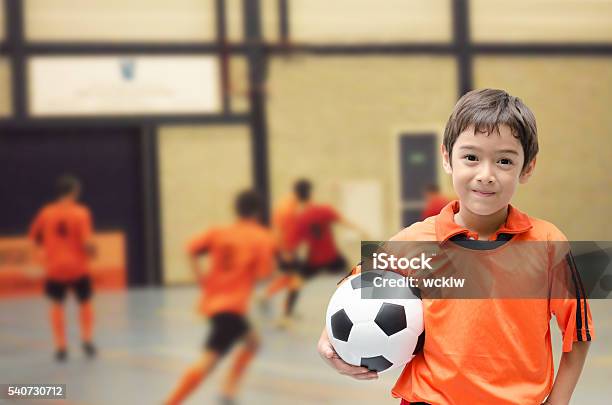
<point x="526" y="174"/>
<point x="445" y="159"/>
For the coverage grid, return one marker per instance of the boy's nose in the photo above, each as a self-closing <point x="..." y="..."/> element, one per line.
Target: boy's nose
<point x="486" y="175"/>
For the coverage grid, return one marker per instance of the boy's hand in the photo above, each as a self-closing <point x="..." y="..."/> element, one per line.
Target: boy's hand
<point x="327" y="352"/>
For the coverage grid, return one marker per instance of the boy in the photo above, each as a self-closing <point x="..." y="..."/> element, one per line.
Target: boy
<point x="62" y="229"/>
<point x="313" y="226"/>
<point x="283" y="224"/>
<point x="504" y="355"/>
<point x="240" y="254"/>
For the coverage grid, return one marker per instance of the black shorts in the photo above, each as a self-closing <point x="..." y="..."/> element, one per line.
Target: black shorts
<point x="287" y="266"/>
<point x="338" y="265"/>
<point x="227" y="329"/>
<point x="56" y="290"/>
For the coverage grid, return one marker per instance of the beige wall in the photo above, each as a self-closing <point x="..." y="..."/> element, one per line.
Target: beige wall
<point x="119" y="20"/>
<point x="5" y="88"/>
<point x="234" y="20"/>
<point x="541" y="20"/>
<point x="239" y="84"/>
<point x="571" y="98"/>
<point x="370" y="21"/>
<point x="270" y="20"/>
<point x="336" y="120"/>
<point x="2" y="21"/>
<point x="201" y="170"/>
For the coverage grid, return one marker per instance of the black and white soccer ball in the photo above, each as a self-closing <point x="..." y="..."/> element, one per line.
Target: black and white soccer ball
<point x="377" y="328"/>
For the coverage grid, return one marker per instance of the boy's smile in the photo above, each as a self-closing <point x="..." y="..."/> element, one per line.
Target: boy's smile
<point x="486" y="168"/>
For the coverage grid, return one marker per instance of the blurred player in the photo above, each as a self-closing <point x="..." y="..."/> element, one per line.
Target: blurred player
<point x="61" y="232"/>
<point x="313" y="227"/>
<point x="434" y="201"/>
<point x="283" y="226"/>
<point x="240" y="254"/>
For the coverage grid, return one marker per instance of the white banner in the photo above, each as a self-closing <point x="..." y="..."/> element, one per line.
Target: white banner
<point x="123" y="85"/>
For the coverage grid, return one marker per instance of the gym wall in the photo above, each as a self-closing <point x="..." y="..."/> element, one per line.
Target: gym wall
<point x="336" y="119"/>
<point x="200" y="171"/>
<point x="5" y="88"/>
<point x="570" y="98"/>
<point x="542" y="21"/>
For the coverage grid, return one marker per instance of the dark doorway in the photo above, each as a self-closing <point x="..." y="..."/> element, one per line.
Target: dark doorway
<point x="418" y="168"/>
<point x="107" y="160"/>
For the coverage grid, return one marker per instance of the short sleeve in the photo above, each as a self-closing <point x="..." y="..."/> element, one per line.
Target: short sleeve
<point x="202" y="243"/>
<point x="568" y="302"/>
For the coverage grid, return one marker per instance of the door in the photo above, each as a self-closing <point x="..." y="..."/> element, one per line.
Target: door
<point x="106" y="160"/>
<point x="418" y="168"/>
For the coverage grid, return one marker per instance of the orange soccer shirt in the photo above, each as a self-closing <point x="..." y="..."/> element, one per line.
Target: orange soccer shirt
<point x="240" y="254"/>
<point x="284" y="221"/>
<point x="489" y="351"/>
<point x="62" y="229"/>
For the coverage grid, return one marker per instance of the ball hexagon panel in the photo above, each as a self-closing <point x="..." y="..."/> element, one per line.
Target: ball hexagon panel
<point x="341" y="325"/>
<point x="378" y="363"/>
<point x="391" y="318"/>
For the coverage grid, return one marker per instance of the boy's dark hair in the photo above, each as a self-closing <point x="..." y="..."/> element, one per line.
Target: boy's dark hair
<point x="248" y="204"/>
<point x="486" y="110"/>
<point x="302" y="189"/>
<point x="66" y="184"/>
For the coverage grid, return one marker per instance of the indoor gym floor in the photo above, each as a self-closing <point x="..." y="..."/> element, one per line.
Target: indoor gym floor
<point x="147" y="337"/>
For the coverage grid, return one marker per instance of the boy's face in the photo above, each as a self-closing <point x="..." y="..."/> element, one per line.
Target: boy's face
<point x="486" y="168"/>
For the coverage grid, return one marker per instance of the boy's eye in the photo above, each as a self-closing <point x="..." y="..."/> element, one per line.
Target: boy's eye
<point x="505" y="161"/>
<point x="471" y="158"/>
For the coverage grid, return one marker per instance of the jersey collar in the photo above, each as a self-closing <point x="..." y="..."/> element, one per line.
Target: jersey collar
<point x="516" y="222"/>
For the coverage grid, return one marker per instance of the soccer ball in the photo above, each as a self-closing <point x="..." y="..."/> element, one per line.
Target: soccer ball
<point x="375" y="327"/>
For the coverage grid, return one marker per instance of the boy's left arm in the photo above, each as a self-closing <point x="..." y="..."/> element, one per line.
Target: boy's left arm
<point x="568" y="374"/>
<point x="570" y="306"/>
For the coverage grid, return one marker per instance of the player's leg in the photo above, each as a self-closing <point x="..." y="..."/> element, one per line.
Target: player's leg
<point x="225" y="332"/>
<point x="240" y="362"/>
<point x="83" y="290"/>
<point x="297" y="281"/>
<point x="295" y="287"/>
<point x="193" y="377"/>
<point x="281" y="281"/>
<point x="56" y="292"/>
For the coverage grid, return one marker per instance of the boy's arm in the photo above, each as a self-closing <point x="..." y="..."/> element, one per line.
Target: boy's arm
<point x="86" y="234"/>
<point x="36" y="251"/>
<point x="198" y="272"/>
<point x="571" y="308"/>
<point x="351" y="225"/>
<point x="196" y="248"/>
<point x="570" y="368"/>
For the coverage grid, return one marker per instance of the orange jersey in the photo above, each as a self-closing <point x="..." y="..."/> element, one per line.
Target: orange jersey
<point x="240" y="254"/>
<point x="489" y="351"/>
<point x="284" y="221"/>
<point x="62" y="229"/>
